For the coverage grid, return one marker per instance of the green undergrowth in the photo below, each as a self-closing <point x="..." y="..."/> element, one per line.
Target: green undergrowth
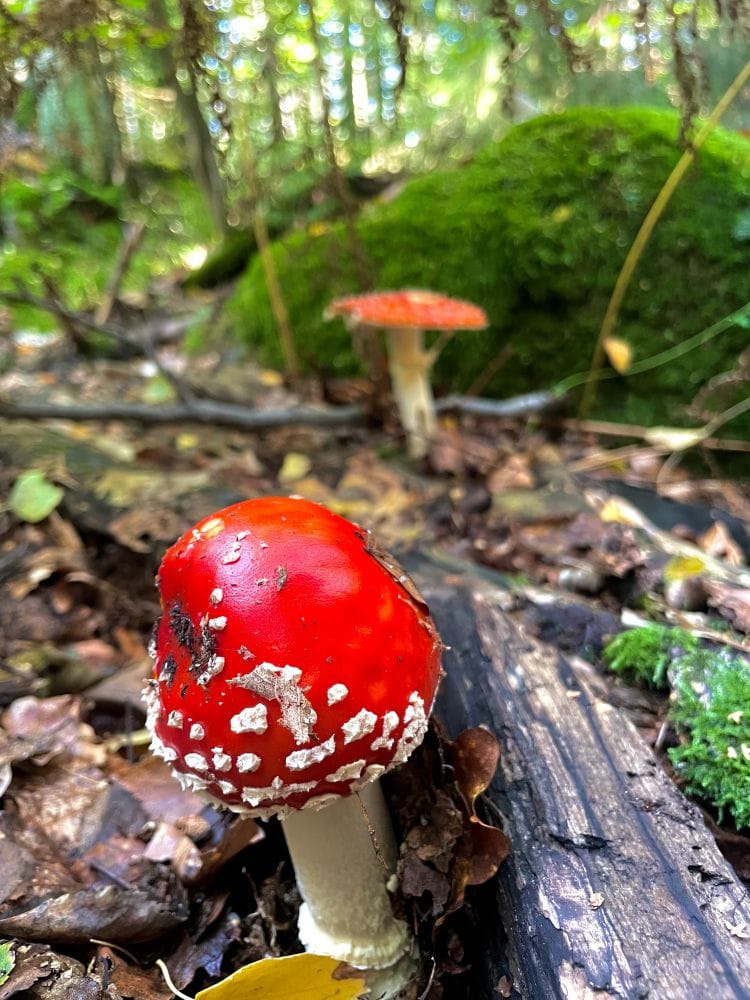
<point x="535" y="230"/>
<point x="709" y="706"/>
<point x="68" y="229"/>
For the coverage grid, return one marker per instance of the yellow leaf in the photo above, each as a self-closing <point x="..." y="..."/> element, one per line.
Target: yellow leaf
<point x="683" y="568"/>
<point x="270" y="378"/>
<point x="295" y="466"/>
<point x="296" y="977"/>
<point x="619" y="352"/>
<point x="562" y="213"/>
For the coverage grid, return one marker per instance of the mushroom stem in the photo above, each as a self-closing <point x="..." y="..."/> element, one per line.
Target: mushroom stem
<point x="347" y="911"/>
<point x="409" y="366"/>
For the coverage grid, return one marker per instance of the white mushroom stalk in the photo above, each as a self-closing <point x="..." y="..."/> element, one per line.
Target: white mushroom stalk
<point x="343" y="856"/>
<point x="409" y="365"/>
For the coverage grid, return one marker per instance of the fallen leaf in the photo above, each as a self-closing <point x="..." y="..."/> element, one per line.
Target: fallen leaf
<point x="717" y="541"/>
<point x="33" y="497"/>
<point x="683" y="568"/>
<point x="295" y="466"/>
<point x="619" y="352"/>
<point x="304" y="977"/>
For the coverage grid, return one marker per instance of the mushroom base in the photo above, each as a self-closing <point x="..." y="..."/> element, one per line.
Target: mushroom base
<point x="342" y="878"/>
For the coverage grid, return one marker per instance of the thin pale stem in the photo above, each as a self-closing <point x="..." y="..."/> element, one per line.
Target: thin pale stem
<point x="647" y="227"/>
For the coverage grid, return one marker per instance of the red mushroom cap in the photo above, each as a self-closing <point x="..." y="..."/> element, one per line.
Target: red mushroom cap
<point x="413" y="308"/>
<point x="294" y="660"/>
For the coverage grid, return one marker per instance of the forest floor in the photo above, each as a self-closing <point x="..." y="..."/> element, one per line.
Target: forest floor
<point x="108" y="864"/>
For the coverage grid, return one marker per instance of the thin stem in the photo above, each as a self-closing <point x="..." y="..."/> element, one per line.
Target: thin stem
<point x="663" y="357"/>
<point x="647" y="227"/>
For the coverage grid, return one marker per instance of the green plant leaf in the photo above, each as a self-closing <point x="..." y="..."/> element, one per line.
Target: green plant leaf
<point x="7" y="960"/>
<point x="33" y="497"/>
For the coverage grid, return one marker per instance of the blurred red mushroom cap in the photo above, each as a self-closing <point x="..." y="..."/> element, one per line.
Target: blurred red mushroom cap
<point x="412" y="308"/>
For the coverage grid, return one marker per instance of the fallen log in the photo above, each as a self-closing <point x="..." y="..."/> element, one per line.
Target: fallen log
<point x="614" y="886"/>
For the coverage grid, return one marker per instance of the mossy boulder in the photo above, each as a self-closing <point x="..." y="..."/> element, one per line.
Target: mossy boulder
<point x="535" y="230"/>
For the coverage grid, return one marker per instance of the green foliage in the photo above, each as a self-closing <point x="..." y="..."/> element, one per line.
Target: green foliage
<point x="535" y="229"/>
<point x="7" y="960"/>
<point x="646" y="654"/>
<point x="69" y="228"/>
<point x="712" y="707"/>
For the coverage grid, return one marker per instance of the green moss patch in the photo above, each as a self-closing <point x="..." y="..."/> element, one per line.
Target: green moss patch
<point x="712" y="708"/>
<point x="646" y="654"/>
<point x="535" y="230"/>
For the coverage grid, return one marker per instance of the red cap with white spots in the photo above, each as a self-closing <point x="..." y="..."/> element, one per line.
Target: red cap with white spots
<point x="295" y="661"/>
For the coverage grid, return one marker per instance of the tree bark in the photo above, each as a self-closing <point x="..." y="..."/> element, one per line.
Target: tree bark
<point x="614" y="886"/>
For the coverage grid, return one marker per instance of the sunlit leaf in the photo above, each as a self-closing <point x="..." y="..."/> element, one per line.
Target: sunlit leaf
<point x="675" y="438"/>
<point x="158" y="390"/>
<point x="303" y="977"/>
<point x="683" y="568"/>
<point x="295" y="466"/>
<point x="33" y="497"/>
<point x="7" y="960"/>
<point x="619" y="352"/>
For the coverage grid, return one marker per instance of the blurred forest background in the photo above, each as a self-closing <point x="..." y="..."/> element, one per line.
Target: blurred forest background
<point x="147" y="146"/>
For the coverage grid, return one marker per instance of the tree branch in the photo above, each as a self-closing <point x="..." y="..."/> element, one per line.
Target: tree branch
<point x="199" y="411"/>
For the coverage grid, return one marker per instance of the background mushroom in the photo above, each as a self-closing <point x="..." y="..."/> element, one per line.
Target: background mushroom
<point x="295" y="663"/>
<point x="405" y="316"/>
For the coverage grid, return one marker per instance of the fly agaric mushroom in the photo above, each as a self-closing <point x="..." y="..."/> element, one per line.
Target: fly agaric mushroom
<point x="404" y="316"/>
<point x="295" y="663"/>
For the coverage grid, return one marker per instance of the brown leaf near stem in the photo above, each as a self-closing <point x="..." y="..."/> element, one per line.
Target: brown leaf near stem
<point x="474" y="756"/>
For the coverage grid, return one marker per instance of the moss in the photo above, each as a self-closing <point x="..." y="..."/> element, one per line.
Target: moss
<point x="646" y="654"/>
<point x="712" y="708"/>
<point x="535" y="230"/>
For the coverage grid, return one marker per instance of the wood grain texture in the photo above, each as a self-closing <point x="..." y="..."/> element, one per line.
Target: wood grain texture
<point x="615" y="886"/>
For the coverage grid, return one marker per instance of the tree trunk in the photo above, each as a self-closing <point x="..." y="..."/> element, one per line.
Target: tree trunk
<point x="203" y="164"/>
<point x="614" y="886"/>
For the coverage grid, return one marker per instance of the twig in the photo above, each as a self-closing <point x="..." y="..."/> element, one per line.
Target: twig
<point x="607" y="427"/>
<point x="516" y="406"/>
<point x="484" y="378"/>
<point x="133" y="236"/>
<point x="200" y="411"/>
<point x="647" y="227"/>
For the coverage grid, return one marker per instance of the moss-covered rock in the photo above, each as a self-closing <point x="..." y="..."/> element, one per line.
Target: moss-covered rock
<point x="535" y="229"/>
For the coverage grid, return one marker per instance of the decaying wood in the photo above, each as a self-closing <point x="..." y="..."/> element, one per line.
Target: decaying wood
<point x="614" y="887"/>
